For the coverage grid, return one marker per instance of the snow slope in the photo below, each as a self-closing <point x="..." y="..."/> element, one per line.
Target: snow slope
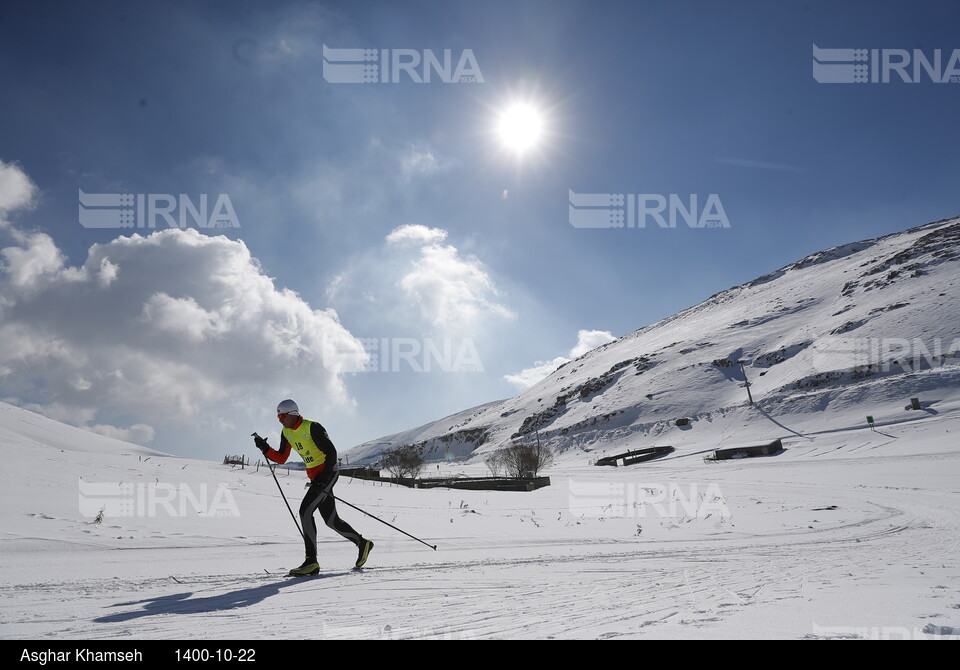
<point x="851" y="532"/>
<point x="818" y="339"/>
<point x="846" y="534"/>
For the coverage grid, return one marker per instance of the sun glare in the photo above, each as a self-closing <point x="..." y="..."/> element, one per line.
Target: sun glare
<point x="520" y="127"/>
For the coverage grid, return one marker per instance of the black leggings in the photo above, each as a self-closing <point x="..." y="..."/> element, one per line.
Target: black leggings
<point x="320" y="498"/>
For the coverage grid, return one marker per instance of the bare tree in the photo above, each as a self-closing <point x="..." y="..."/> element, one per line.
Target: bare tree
<point x="405" y="462"/>
<point x="494" y="462"/>
<point x="523" y="460"/>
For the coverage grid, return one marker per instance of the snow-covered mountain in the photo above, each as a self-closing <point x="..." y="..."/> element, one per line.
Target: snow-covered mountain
<point x="29" y="432"/>
<point x="854" y="330"/>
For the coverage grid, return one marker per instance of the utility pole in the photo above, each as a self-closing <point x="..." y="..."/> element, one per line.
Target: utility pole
<point x="746" y="382"/>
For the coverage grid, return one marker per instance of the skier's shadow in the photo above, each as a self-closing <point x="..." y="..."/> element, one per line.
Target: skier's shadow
<point x="182" y="603"/>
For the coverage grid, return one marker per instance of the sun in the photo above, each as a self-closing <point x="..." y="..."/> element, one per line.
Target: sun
<point x="520" y="127"/>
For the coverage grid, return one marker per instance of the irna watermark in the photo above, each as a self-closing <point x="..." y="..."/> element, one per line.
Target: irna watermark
<point x="411" y="354"/>
<point x="928" y="632"/>
<point x="646" y="500"/>
<point x="393" y="66"/>
<point x="885" y="354"/>
<point x="637" y="210"/>
<point x="150" y="210"/>
<point x="100" y="500"/>
<point x="883" y="66"/>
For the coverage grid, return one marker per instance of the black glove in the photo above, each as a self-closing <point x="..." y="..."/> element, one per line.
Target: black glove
<point x="261" y="444"/>
<point x="324" y="479"/>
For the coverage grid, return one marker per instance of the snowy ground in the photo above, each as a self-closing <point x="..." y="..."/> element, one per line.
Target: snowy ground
<point x="848" y="533"/>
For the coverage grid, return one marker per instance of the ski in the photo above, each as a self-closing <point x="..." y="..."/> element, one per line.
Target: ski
<point x="321" y="573"/>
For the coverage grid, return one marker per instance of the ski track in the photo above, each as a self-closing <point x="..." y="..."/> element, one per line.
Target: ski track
<point x="565" y="590"/>
<point x="801" y="538"/>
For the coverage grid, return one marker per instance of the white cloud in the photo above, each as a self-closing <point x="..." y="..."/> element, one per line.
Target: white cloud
<point x="158" y="330"/>
<point x="587" y="340"/>
<point x="108" y="272"/>
<point x="16" y="190"/>
<point x="530" y="376"/>
<point x="450" y="289"/>
<point x="417" y="234"/>
<point x="183" y="316"/>
<point x="139" y="433"/>
<point x="36" y="258"/>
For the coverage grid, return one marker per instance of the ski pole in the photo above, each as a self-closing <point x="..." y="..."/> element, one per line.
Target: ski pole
<point x="283" y="496"/>
<point x="432" y="546"/>
<point x="285" y="500"/>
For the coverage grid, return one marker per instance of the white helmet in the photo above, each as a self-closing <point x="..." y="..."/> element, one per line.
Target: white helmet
<point x="288" y="407"/>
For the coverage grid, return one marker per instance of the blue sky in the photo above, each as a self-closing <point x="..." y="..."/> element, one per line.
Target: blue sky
<point x="393" y="213"/>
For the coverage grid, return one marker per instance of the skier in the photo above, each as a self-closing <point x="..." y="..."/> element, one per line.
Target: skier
<point x="310" y="440"/>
